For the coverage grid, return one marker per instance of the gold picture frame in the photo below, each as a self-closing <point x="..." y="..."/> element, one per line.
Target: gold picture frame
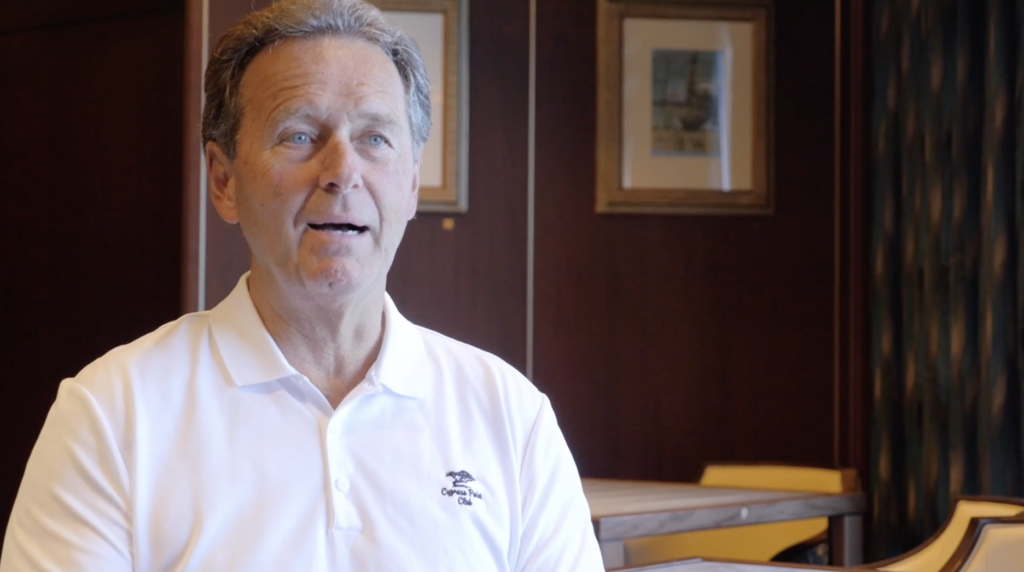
<point x="440" y="29"/>
<point x="684" y="93"/>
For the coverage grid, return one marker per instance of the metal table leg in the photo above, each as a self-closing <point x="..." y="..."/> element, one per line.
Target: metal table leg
<point x="846" y="540"/>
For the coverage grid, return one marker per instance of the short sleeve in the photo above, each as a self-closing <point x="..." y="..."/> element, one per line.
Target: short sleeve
<point x="557" y="532"/>
<point x="72" y="509"/>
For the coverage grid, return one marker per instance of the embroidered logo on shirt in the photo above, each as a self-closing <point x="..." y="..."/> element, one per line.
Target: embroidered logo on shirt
<point x="460" y="489"/>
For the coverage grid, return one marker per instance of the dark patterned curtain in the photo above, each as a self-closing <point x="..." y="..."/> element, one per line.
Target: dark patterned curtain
<point x="948" y="128"/>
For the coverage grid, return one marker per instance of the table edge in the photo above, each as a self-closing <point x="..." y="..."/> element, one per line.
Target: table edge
<point x="608" y="527"/>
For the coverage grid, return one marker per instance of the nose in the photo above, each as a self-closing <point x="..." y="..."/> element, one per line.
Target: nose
<point x="340" y="167"/>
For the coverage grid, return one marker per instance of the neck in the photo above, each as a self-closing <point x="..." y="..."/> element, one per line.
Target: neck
<point x="333" y="344"/>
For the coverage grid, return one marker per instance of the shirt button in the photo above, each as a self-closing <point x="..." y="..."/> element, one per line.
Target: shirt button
<point x="335" y="429"/>
<point x="341" y="484"/>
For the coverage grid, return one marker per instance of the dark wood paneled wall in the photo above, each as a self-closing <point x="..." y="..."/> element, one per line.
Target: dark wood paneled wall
<point x="665" y="342"/>
<point x="468" y="282"/>
<point x="227" y="256"/>
<point x="90" y="168"/>
<point x="852" y="149"/>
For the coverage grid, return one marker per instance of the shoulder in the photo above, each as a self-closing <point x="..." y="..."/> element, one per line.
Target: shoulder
<point x="476" y="373"/>
<point x="158" y="354"/>
<point x="462" y="355"/>
<point x="138" y="380"/>
<point x="463" y="358"/>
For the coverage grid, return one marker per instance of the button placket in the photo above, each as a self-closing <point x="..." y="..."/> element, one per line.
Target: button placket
<point x="345" y="515"/>
<point x="341" y="484"/>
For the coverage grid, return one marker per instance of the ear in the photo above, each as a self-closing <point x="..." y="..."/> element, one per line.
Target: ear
<point x="414" y="196"/>
<point x="222" y="183"/>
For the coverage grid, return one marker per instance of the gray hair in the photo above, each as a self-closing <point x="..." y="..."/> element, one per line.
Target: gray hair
<point x="288" y="19"/>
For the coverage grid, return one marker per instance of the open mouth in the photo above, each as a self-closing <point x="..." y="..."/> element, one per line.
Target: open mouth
<point x="342" y="228"/>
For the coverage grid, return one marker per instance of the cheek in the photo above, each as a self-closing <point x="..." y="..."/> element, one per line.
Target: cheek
<point x="269" y="182"/>
<point x="267" y="189"/>
<point x="410" y="209"/>
<point x="406" y="199"/>
<point x="261" y="209"/>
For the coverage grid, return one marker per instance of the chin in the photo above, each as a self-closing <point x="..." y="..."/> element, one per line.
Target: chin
<point x="337" y="278"/>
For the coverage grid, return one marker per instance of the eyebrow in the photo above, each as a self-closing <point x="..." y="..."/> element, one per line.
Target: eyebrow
<point x="385" y="120"/>
<point x="286" y="113"/>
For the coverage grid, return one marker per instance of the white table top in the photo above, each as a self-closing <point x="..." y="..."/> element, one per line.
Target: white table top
<point x="630" y="509"/>
<point x="700" y="565"/>
<point x="612" y="497"/>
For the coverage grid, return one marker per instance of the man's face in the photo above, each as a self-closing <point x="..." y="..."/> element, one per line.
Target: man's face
<point x="324" y="177"/>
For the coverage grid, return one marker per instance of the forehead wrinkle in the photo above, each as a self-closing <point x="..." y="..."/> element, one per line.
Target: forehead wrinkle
<point x="297" y="91"/>
<point x="294" y="106"/>
<point x="287" y="98"/>
<point x="310" y="103"/>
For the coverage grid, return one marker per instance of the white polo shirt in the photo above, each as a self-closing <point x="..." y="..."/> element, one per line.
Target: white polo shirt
<point x="199" y="448"/>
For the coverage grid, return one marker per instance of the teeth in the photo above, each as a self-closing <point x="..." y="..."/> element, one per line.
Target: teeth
<point x="339" y="228"/>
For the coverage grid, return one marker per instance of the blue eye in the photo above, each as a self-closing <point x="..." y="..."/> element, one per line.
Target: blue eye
<point x="299" y="138"/>
<point x="376" y="140"/>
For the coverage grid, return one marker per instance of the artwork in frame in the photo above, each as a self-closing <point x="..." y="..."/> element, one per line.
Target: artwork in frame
<point x="440" y="29"/>
<point x="683" y="107"/>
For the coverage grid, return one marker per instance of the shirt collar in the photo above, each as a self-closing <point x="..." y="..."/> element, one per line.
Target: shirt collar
<point x="248" y="351"/>
<point x="251" y="356"/>
<point x="399" y="365"/>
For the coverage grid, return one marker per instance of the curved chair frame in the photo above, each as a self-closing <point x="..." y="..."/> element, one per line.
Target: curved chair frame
<point x="971" y="538"/>
<point x="942" y="529"/>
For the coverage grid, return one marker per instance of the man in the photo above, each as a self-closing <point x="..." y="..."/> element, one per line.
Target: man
<point x="303" y="424"/>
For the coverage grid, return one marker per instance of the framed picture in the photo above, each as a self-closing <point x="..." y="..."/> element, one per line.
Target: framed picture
<point x="440" y="29"/>
<point x="683" y="107"/>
